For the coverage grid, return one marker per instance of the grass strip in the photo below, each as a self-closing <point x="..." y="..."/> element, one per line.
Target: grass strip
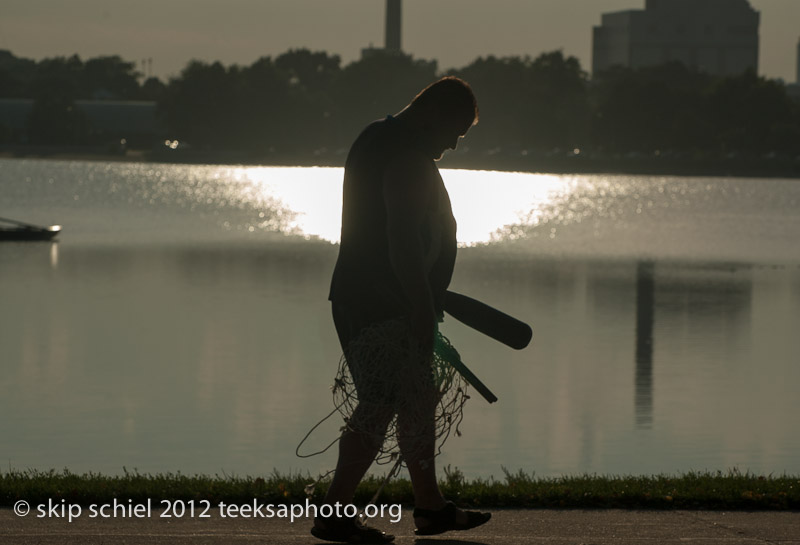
<point x="694" y="490"/>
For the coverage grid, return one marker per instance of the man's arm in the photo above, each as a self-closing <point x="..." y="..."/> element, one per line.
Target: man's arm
<point x="407" y="194"/>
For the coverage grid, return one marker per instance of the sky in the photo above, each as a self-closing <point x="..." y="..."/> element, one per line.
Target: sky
<point x="453" y="32"/>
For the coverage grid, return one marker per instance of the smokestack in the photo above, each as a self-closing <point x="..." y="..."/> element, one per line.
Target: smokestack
<point x="392" y="25"/>
<point x="798" y="62"/>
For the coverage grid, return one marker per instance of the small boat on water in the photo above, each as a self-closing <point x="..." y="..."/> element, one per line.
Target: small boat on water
<point x="19" y="231"/>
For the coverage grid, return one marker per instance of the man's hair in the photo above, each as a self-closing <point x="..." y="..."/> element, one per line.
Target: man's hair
<point x="451" y="96"/>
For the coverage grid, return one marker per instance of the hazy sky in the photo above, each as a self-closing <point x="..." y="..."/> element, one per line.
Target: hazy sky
<point x="454" y="32"/>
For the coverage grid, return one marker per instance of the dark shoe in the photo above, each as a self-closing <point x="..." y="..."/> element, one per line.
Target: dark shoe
<point x="349" y="530"/>
<point x="446" y="519"/>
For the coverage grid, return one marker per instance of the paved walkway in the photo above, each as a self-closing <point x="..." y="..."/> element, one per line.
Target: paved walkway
<point x="506" y="527"/>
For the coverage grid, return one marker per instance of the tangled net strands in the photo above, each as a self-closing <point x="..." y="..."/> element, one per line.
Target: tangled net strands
<point x="393" y="376"/>
<point x="384" y="371"/>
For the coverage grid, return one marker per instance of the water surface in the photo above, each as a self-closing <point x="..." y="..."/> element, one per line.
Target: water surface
<point x="181" y="321"/>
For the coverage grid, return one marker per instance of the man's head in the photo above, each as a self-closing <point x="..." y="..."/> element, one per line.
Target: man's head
<point x="445" y="110"/>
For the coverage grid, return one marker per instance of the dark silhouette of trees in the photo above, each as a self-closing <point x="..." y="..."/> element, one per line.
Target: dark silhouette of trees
<point x="56" y="84"/>
<point x="749" y="113"/>
<point x="270" y="106"/>
<point x="304" y="104"/>
<point x="300" y="102"/>
<point x="54" y="119"/>
<point x="266" y="108"/>
<point x="153" y="89"/>
<point x="107" y="77"/>
<point x="15" y="76"/>
<point x="562" y="102"/>
<point x="110" y="77"/>
<point x="526" y="103"/>
<point x="654" y="108"/>
<point x="311" y="106"/>
<point x="199" y="105"/>
<point x="671" y="107"/>
<point x="380" y="83"/>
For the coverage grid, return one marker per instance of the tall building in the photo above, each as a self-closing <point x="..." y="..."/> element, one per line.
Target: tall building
<point x="715" y="36"/>
<point x="798" y="62"/>
<point x="392" y="32"/>
<point x="393" y="25"/>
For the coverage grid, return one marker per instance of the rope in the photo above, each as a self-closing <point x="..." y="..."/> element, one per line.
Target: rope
<point x="386" y="375"/>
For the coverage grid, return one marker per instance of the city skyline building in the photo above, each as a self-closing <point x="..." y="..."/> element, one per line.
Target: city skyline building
<point x="392" y="32"/>
<point x="394" y="26"/>
<point x="715" y="36"/>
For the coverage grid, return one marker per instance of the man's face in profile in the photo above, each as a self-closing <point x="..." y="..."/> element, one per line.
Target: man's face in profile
<point x="446" y="138"/>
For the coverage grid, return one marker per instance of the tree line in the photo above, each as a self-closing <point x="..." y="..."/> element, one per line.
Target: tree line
<point x="302" y="103"/>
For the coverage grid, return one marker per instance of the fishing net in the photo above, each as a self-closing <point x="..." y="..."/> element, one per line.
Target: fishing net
<point x="385" y="373"/>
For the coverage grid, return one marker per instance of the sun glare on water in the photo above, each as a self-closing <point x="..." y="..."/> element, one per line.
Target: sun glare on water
<point x="483" y="202"/>
<point x="313" y="196"/>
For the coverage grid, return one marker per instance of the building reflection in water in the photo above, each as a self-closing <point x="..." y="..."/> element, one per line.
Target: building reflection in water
<point x="645" y="303"/>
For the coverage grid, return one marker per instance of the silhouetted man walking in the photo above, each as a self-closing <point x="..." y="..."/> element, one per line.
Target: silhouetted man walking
<point x="397" y="253"/>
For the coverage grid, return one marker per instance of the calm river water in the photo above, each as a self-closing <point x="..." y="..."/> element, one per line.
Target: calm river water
<point x="180" y="323"/>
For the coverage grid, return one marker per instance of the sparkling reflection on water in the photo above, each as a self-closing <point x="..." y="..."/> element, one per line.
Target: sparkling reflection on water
<point x="181" y="322"/>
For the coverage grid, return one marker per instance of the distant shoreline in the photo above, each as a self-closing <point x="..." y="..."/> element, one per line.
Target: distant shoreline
<point x="738" y="167"/>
